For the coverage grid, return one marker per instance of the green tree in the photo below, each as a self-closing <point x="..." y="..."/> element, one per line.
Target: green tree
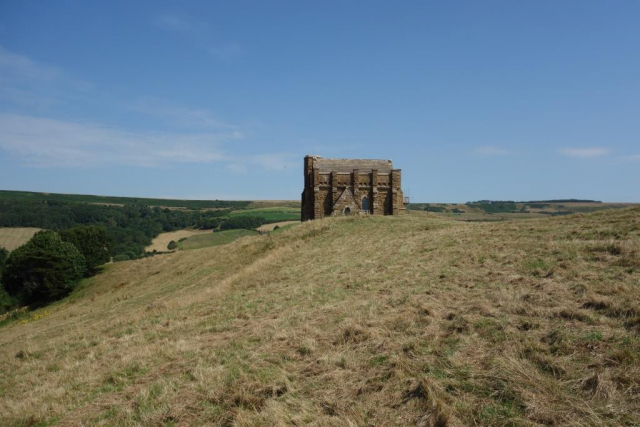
<point x="44" y="269"/>
<point x="210" y="223"/>
<point x="3" y="257"/>
<point x="93" y="243"/>
<point x="248" y="222"/>
<point x="172" y="245"/>
<point x="6" y="302"/>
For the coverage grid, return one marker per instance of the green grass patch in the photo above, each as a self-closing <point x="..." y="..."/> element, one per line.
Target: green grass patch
<point x="214" y="239"/>
<point x="275" y="214"/>
<point x="593" y="336"/>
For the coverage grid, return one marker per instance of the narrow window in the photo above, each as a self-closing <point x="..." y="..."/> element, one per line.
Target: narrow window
<point x="365" y="204"/>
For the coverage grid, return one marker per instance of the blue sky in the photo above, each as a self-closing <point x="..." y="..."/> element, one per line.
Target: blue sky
<point x="222" y="99"/>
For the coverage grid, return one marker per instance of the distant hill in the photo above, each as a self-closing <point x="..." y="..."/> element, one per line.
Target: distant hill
<point x="407" y="320"/>
<point x="564" y="201"/>
<point x="114" y="200"/>
<point x="500" y="210"/>
<point x="535" y="201"/>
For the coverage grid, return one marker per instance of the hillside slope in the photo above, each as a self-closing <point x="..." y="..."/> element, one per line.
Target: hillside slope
<point x="412" y="320"/>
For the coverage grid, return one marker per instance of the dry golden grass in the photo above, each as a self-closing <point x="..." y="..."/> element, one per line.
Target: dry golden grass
<point x="160" y="243"/>
<point x="360" y="321"/>
<point x="270" y="227"/>
<point x="14" y="237"/>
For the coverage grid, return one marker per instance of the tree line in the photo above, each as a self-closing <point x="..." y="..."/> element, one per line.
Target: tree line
<point x="50" y="265"/>
<point x="80" y="237"/>
<point x="129" y="228"/>
<point x="86" y="198"/>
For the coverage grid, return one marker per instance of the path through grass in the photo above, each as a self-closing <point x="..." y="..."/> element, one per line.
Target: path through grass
<point x="362" y="321"/>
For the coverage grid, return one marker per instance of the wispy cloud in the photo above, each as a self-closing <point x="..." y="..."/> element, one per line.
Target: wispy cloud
<point x="26" y="97"/>
<point x="583" y="153"/>
<point x="490" y="150"/>
<point x="185" y="117"/>
<point x="26" y="82"/>
<point x="15" y="65"/>
<point x="186" y="135"/>
<point x="45" y="142"/>
<point x="276" y="161"/>
<point x="632" y="158"/>
<point x="200" y="33"/>
<point x="237" y="168"/>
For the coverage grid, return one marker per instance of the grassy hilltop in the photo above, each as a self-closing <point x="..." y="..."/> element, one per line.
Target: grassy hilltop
<point x="414" y="320"/>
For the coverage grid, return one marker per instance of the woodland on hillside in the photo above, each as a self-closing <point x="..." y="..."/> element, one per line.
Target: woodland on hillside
<point x="130" y="228"/>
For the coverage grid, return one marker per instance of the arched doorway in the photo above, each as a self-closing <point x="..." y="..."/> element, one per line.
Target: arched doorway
<point x="365" y="204"/>
<point x="347" y="210"/>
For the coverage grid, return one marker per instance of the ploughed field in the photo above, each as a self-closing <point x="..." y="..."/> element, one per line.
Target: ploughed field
<point x="363" y="321"/>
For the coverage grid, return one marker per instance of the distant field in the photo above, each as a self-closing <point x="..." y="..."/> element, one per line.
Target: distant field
<point x="502" y="211"/>
<point x="14" y="237"/>
<point x="484" y="217"/>
<point x="272" y="214"/>
<point x="214" y="239"/>
<point x="258" y="204"/>
<point x="160" y="243"/>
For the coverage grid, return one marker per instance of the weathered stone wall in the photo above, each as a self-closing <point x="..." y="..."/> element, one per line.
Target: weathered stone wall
<point x="340" y="186"/>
